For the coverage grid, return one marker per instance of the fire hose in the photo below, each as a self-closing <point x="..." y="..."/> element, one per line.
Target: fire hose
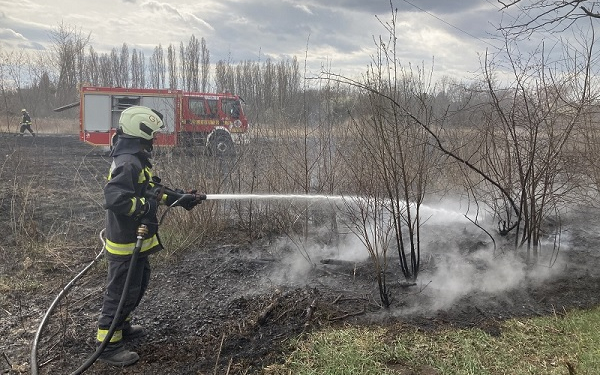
<point x="155" y="192"/>
<point x="142" y="231"/>
<point x="63" y="292"/>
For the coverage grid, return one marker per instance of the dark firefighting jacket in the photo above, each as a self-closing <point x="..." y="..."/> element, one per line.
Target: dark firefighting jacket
<point x="26" y="119"/>
<point x="130" y="175"/>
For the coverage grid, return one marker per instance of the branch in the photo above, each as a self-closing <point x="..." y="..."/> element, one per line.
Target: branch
<point x="590" y="13"/>
<point x="345" y="80"/>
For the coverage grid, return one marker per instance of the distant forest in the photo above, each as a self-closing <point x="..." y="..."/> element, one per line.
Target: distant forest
<point x="42" y="81"/>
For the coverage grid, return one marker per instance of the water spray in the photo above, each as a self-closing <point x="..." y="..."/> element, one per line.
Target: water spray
<point x="210" y="197"/>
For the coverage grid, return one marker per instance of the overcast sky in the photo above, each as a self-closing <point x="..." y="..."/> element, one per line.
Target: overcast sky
<point x="337" y="34"/>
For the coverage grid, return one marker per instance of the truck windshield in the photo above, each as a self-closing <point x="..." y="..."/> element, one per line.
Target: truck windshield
<point x="231" y="107"/>
<point x="197" y="107"/>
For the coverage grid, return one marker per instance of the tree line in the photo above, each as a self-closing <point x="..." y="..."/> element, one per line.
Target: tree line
<point x="45" y="80"/>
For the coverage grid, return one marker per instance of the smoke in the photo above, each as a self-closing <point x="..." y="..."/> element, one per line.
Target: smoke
<point x="458" y="275"/>
<point x="301" y="257"/>
<point x="458" y="260"/>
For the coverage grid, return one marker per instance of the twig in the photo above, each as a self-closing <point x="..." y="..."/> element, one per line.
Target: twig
<point x="48" y="361"/>
<point x="337" y="262"/>
<point x="229" y="366"/>
<point x="283" y="314"/>
<point x="352" y="299"/>
<point x="219" y="354"/>
<point x="262" y="318"/>
<point x="484" y="231"/>
<point x="7" y="359"/>
<point x="332" y="273"/>
<point x="337" y="299"/>
<point x="217" y="268"/>
<point x="310" y="311"/>
<point x="90" y="294"/>
<point x="480" y="311"/>
<point x="348" y="315"/>
<point x="407" y="284"/>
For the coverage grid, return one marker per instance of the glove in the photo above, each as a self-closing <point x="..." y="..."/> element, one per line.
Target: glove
<point x="149" y="214"/>
<point x="191" y="199"/>
<point x="172" y="198"/>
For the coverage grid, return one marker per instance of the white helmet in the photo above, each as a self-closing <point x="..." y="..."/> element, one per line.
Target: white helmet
<point x="140" y="122"/>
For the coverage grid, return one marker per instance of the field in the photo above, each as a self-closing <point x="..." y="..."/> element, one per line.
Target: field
<point x="233" y="305"/>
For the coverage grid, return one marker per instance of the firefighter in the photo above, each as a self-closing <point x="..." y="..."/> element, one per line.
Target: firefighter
<point x="25" y="123"/>
<point x="126" y="208"/>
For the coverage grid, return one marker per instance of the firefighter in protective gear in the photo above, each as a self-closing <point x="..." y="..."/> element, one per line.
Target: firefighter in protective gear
<point x="25" y="123"/>
<point x="126" y="208"/>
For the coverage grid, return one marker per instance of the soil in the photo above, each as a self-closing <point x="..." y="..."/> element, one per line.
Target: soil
<point x="233" y="306"/>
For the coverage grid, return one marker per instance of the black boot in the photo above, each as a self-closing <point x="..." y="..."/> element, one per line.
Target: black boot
<point x="117" y="355"/>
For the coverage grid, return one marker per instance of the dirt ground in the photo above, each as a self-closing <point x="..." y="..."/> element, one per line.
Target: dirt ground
<point x="233" y="306"/>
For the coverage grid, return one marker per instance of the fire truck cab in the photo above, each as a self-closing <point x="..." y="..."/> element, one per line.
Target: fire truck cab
<point x="216" y="121"/>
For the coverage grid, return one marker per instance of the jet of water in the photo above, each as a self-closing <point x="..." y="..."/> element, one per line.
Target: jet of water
<point x="274" y="197"/>
<point x="439" y="213"/>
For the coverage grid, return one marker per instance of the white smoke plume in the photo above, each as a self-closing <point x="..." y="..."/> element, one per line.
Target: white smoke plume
<point x="457" y="260"/>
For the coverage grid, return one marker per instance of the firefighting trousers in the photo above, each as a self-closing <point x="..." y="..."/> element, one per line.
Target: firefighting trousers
<point x="25" y="127"/>
<point x="115" y="283"/>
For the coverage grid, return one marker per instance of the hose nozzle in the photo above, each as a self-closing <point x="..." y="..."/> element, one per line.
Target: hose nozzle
<point x="142" y="231"/>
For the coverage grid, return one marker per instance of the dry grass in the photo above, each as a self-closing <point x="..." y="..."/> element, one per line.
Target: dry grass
<point x="56" y="126"/>
<point x="44" y="125"/>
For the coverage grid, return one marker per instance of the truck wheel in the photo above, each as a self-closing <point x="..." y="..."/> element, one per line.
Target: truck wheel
<point x="221" y="144"/>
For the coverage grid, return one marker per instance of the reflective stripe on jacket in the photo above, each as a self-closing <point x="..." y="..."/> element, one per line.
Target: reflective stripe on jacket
<point x="127" y="248"/>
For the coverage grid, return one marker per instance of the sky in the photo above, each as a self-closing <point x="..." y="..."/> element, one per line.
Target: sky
<point x="448" y="36"/>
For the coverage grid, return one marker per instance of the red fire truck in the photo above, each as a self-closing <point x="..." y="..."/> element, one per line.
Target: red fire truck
<point x="213" y="120"/>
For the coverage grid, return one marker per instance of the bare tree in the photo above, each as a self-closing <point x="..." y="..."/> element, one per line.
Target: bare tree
<point x="183" y="67"/>
<point x="192" y="55"/>
<point x="115" y="67"/>
<point x="41" y="96"/>
<point x="204" y="66"/>
<point x="224" y="76"/>
<point x="137" y="69"/>
<point x="547" y="15"/>
<point x="141" y="68"/>
<point x="172" y="62"/>
<point x="107" y="78"/>
<point x="393" y="132"/>
<point x="122" y="66"/>
<point x="68" y="47"/>
<point x="8" y="86"/>
<point x="92" y="68"/>
<point x="157" y="68"/>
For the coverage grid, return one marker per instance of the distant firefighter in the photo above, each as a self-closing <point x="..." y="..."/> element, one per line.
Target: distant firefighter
<point x="25" y="123"/>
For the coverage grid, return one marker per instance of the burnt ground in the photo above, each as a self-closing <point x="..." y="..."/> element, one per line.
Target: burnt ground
<point x="233" y="306"/>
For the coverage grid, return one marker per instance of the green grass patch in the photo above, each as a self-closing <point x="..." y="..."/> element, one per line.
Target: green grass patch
<point x="559" y="344"/>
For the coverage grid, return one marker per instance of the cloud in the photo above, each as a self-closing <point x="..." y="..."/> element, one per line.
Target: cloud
<point x="337" y="33"/>
<point x="11" y="35"/>
<point x="165" y="9"/>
